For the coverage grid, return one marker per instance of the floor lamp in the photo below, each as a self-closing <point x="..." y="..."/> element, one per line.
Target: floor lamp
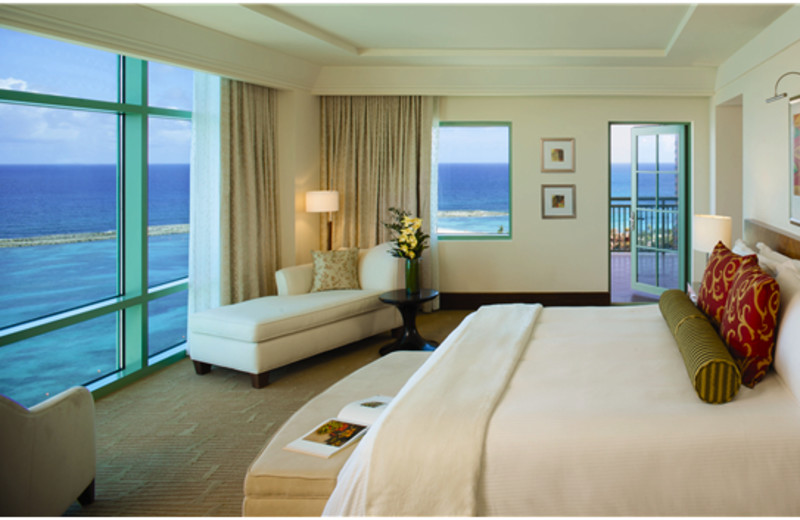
<point x="324" y="201"/>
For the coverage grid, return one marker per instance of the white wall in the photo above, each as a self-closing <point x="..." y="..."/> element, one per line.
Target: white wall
<point x="560" y="255"/>
<point x="727" y="193"/>
<point x="751" y="74"/>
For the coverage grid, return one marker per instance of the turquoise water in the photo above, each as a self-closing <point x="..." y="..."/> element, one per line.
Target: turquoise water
<point x="42" y="280"/>
<point x="78" y="202"/>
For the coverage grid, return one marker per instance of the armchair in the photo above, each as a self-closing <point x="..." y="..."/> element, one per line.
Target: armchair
<point x="47" y="454"/>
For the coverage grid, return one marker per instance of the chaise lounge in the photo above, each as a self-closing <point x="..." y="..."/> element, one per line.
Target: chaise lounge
<point x="261" y="334"/>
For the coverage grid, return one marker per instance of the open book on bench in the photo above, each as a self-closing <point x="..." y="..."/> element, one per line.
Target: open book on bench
<point x="333" y="435"/>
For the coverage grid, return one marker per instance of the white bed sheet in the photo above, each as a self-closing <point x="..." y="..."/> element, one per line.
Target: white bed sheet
<point x="600" y="418"/>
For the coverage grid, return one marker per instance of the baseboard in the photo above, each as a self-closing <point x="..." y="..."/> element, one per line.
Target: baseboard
<point x="471" y="301"/>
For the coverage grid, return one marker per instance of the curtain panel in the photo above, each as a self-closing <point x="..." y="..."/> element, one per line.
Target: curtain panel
<point x="249" y="192"/>
<point x="376" y="152"/>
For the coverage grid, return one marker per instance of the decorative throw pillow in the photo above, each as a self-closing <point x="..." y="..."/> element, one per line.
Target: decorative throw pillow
<point x="717" y="279"/>
<point x="712" y="371"/>
<point x="748" y="323"/>
<point x="334" y="270"/>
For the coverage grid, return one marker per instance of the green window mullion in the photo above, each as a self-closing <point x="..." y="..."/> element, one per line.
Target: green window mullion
<point x="54" y="101"/>
<point x="133" y="269"/>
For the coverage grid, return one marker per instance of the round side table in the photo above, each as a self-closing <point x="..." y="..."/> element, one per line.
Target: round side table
<point x="408" y="304"/>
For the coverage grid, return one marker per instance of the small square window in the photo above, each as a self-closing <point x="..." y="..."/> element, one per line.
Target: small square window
<point x="474" y="180"/>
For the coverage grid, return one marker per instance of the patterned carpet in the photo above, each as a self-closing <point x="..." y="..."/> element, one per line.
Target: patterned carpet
<point x="178" y="444"/>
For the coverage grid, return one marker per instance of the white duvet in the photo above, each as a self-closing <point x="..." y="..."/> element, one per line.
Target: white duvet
<point x="600" y="418"/>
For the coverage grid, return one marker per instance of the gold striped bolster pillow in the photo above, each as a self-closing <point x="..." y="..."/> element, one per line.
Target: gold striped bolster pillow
<point x="710" y="366"/>
<point x="676" y="307"/>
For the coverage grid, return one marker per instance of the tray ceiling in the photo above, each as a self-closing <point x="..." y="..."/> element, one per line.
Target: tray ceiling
<point x="463" y="35"/>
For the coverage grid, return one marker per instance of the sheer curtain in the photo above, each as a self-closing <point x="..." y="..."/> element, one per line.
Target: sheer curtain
<point x="204" y="195"/>
<point x="377" y="152"/>
<point x="234" y="246"/>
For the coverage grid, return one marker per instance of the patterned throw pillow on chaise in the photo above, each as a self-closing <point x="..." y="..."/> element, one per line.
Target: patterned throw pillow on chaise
<point x="334" y="270"/>
<point x="717" y="280"/>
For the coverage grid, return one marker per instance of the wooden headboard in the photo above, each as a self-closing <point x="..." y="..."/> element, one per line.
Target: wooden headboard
<point x="777" y="239"/>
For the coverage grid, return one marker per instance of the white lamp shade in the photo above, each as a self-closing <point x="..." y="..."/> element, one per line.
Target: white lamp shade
<point x="710" y="229"/>
<point x="321" y="201"/>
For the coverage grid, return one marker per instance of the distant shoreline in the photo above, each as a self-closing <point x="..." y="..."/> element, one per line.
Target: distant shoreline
<point x="73" y="238"/>
<point x="471" y="213"/>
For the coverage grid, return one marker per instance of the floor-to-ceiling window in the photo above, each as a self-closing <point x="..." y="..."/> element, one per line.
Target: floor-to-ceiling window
<point x="94" y="215"/>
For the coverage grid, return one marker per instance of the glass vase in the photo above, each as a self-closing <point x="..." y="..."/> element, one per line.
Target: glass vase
<point x="412" y="276"/>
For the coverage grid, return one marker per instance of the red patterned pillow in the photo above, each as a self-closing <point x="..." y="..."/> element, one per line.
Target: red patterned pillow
<point x="748" y="324"/>
<point x="717" y="279"/>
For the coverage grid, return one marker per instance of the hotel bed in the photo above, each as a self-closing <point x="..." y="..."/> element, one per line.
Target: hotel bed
<point x="587" y="411"/>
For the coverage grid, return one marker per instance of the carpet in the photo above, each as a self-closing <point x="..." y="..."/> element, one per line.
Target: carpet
<point x="179" y="444"/>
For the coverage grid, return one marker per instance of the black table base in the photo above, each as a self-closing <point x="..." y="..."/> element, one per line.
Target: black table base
<point x="408" y="304"/>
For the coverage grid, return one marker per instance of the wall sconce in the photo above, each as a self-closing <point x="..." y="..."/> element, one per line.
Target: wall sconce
<point x="782" y="95"/>
<point x="320" y="202"/>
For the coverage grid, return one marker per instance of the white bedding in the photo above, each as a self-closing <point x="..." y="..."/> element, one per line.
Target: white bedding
<point x="400" y="481"/>
<point x="600" y="418"/>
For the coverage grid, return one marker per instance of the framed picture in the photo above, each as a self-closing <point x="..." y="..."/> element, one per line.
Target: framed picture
<point x="794" y="170"/>
<point x="558" y="155"/>
<point x="558" y="201"/>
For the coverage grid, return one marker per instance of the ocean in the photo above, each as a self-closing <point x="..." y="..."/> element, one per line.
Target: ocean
<point x="65" y="217"/>
<point x="473" y="199"/>
<point x="38" y="200"/>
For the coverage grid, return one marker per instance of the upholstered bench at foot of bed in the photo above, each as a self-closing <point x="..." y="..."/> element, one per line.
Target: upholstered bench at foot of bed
<point x="284" y="483"/>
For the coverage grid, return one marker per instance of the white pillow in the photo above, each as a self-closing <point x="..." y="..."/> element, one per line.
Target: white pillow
<point x="775" y="258"/>
<point x="742" y="249"/>
<point x="787" y="346"/>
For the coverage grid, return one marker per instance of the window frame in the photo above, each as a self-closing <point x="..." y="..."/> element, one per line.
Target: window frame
<point x="481" y="237"/>
<point x="134" y="293"/>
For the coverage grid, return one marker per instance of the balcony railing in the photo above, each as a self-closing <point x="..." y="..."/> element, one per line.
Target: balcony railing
<point x="647" y="222"/>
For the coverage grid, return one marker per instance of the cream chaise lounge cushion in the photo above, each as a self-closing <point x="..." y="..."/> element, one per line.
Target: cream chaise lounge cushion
<point x="269" y="317"/>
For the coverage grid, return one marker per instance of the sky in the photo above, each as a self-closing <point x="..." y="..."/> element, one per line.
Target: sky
<point x="36" y="135"/>
<point x="470" y="144"/>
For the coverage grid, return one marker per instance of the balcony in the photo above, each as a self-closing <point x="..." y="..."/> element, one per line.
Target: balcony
<point x="650" y="263"/>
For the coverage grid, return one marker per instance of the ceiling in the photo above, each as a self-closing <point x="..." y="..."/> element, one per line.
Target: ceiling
<point x="481" y="35"/>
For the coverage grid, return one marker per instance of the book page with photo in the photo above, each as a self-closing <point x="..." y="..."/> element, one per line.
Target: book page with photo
<point x="335" y="434"/>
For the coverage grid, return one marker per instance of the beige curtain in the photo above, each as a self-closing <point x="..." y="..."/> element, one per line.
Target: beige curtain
<point x="376" y="151"/>
<point x="249" y="192"/>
